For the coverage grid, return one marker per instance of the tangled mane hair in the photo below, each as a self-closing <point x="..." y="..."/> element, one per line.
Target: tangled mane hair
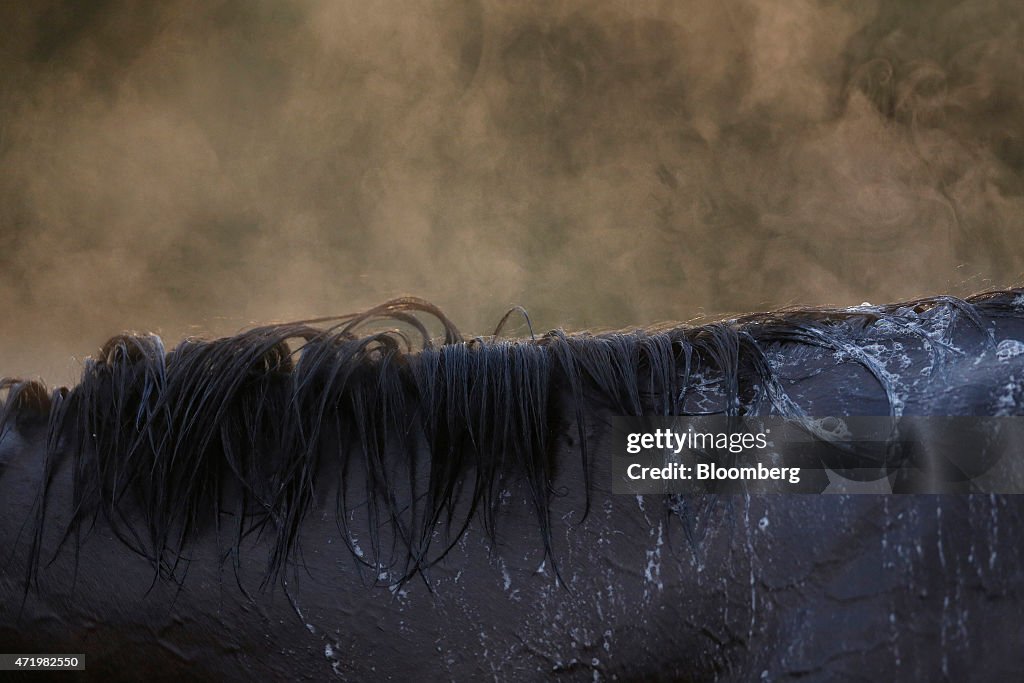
<point x="427" y="431"/>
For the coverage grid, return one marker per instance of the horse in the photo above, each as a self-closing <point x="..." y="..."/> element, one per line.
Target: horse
<point x="358" y="498"/>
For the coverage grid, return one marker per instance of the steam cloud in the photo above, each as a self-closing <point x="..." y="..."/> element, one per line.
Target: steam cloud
<point x="193" y="167"/>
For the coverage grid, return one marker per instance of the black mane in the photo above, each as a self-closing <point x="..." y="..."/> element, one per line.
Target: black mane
<point x="424" y="432"/>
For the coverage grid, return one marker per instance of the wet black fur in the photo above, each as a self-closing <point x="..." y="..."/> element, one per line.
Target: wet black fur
<point x="422" y="432"/>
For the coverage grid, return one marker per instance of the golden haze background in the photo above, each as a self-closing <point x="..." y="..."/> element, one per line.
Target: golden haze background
<point x="192" y="167"/>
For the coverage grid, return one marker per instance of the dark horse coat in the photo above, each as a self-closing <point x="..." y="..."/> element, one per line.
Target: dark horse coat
<point x="313" y="502"/>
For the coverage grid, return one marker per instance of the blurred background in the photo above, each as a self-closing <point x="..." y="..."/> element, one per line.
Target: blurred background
<point x="194" y="167"/>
